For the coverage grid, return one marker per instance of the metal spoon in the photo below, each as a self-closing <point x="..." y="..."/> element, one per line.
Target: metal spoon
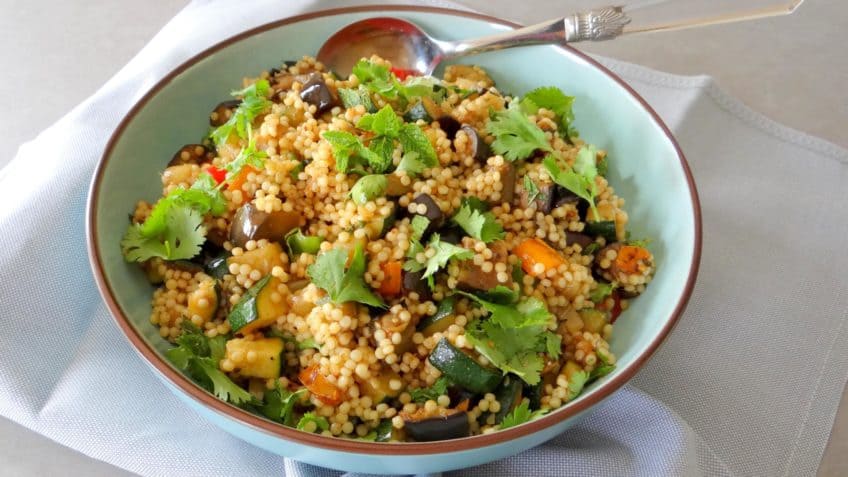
<point x="409" y="48"/>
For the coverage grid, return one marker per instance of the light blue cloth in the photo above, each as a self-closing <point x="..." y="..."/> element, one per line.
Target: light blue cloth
<point x="747" y="384"/>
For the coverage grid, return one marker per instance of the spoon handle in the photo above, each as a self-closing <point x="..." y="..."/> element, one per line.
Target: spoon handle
<point x="598" y="24"/>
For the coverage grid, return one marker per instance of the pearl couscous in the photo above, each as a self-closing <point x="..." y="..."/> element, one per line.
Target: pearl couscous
<point x="389" y="257"/>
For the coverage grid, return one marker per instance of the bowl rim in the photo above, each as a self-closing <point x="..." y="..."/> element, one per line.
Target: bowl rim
<point x="270" y="428"/>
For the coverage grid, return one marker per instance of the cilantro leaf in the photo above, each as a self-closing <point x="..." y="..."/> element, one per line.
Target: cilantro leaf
<point x="516" y="137"/>
<point x="514" y="336"/>
<point x="482" y="226"/>
<point x="413" y="139"/>
<point x="177" y="232"/>
<point x="520" y="415"/>
<point x="254" y="102"/>
<point x="328" y="272"/>
<point x="439" y="388"/>
<point x="444" y="252"/>
<point x="248" y="156"/>
<point x="205" y="196"/>
<point x="355" y="97"/>
<point x="198" y="356"/>
<point x="579" y="179"/>
<point x="553" y="99"/>
<point x="602" y="291"/>
<point x="321" y="422"/>
<point x="279" y="404"/>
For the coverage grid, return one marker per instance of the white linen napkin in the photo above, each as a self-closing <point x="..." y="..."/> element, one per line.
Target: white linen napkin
<point x="748" y="383"/>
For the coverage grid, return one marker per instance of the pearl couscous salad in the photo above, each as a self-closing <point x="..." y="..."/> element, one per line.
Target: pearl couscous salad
<point x="389" y="257"/>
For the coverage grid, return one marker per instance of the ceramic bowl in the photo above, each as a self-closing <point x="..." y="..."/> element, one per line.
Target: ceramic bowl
<point x="648" y="169"/>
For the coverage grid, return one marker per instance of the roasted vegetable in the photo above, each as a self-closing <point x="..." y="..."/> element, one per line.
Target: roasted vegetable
<point x="480" y="151"/>
<point x="509" y="395"/>
<point x="441" y="320"/>
<point x="316" y="92"/>
<point x="258" y="358"/>
<point x="320" y="387"/>
<point x="257" y="308"/>
<point x="537" y="257"/>
<point x="414" y="282"/>
<point x="250" y="223"/>
<point x="605" y="229"/>
<point x="473" y="278"/>
<point x="263" y="259"/>
<point x="462" y="370"/>
<point x="433" y="213"/>
<point x="439" y="425"/>
<point x="391" y="284"/>
<point x="191" y="154"/>
<point x="222" y="112"/>
<point x="449" y="125"/>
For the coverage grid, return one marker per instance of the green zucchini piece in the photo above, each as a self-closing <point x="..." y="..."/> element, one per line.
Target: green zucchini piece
<point x="444" y="310"/>
<point x="509" y="395"/>
<point x="416" y="112"/>
<point x="389" y="221"/>
<point x="534" y="393"/>
<point x="384" y="431"/>
<point x="246" y="311"/>
<point x="462" y="370"/>
<point x="605" y="229"/>
<point x="217" y="267"/>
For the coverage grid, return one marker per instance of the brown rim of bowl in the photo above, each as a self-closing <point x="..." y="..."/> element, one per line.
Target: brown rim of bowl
<point x="347" y="445"/>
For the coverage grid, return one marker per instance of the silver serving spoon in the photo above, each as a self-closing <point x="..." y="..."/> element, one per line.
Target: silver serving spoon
<point x="409" y="48"/>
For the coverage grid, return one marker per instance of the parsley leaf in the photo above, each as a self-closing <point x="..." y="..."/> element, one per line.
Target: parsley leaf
<point x="321" y="422"/>
<point x="513" y="336"/>
<point x="328" y="272"/>
<point x="553" y="99"/>
<point x="279" y="404"/>
<point x="520" y="415"/>
<point x="355" y="97"/>
<point x="516" y="137"/>
<point x="439" y="388"/>
<point x="579" y="179"/>
<point x="198" y="356"/>
<point x="482" y="226"/>
<point x="254" y="102"/>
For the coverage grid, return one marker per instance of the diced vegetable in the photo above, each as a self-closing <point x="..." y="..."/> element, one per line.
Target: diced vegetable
<point x="449" y="125"/>
<point x="509" y="395"/>
<point x="533" y="252"/>
<point x="418" y="111"/>
<point x="593" y="320"/>
<point x="480" y="151"/>
<point x="299" y="243"/>
<point x="320" y="387"/>
<point x="391" y="284"/>
<point x="222" y="112"/>
<point x="257" y="307"/>
<point x="203" y="301"/>
<point x="263" y="259"/>
<point x="631" y="258"/>
<point x="378" y="387"/>
<point x="432" y="213"/>
<point x="217" y="266"/>
<point x="462" y="370"/>
<point x="260" y="358"/>
<point x="441" y="320"/>
<point x="316" y="92"/>
<point x="604" y="228"/>
<point x="415" y="282"/>
<point x="250" y="223"/>
<point x="439" y="425"/>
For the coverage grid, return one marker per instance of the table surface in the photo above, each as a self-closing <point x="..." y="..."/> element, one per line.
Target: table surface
<point x="792" y="69"/>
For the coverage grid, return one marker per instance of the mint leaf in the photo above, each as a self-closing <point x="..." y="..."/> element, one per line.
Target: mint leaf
<point x="384" y="122"/>
<point x="356" y="97"/>
<point x="413" y="140"/>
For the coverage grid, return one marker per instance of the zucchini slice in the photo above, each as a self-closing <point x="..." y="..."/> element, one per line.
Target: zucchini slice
<point x="604" y="228"/>
<point x="441" y="320"/>
<point x="509" y="395"/>
<point x="257" y="309"/>
<point x="462" y="370"/>
<point x="266" y="361"/>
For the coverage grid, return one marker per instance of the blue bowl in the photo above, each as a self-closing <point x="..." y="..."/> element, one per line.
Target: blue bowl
<point x="648" y="169"/>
